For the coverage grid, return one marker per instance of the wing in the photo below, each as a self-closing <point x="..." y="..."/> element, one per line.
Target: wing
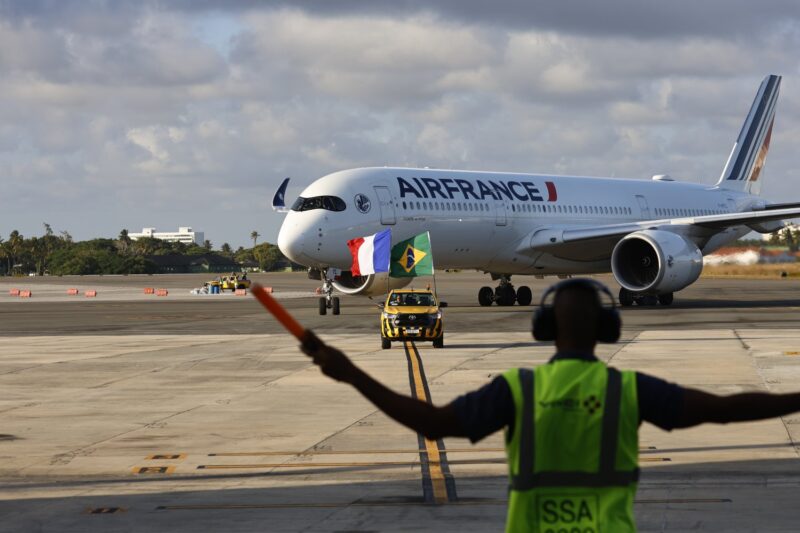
<point x="597" y="241"/>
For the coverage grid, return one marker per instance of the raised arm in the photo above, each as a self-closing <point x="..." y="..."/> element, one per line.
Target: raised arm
<point x="700" y="407"/>
<point x="431" y="421"/>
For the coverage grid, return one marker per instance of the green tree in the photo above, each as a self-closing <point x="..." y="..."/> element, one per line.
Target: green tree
<point x="268" y="256"/>
<point x="124" y="241"/>
<point x="16" y="243"/>
<point x="4" y="256"/>
<point x="207" y="245"/>
<point x="226" y="250"/>
<point x="255" y="235"/>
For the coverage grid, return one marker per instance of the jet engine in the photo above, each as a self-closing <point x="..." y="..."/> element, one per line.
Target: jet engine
<point x="656" y="262"/>
<point x="369" y="285"/>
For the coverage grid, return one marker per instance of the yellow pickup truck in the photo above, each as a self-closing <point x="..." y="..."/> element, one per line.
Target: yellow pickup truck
<point x="233" y="282"/>
<point x="410" y="314"/>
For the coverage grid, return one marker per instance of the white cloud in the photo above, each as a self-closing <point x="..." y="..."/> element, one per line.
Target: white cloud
<point x="142" y="110"/>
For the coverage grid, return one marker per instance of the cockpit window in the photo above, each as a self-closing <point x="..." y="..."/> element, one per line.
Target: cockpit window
<point x="330" y="203"/>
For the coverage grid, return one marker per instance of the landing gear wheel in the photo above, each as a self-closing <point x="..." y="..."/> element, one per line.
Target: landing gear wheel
<point x="666" y="299"/>
<point x="323" y="306"/>
<point x="524" y="295"/>
<point x="385" y="343"/>
<point x="438" y="342"/>
<point x="625" y="297"/>
<point x="485" y="296"/>
<point x="647" y="301"/>
<point x="505" y="295"/>
<point x="335" y="307"/>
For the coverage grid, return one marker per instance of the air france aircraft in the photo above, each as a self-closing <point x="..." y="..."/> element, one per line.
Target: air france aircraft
<point x="651" y="234"/>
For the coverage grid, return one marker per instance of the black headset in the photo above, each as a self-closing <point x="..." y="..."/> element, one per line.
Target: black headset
<point x="609" y="323"/>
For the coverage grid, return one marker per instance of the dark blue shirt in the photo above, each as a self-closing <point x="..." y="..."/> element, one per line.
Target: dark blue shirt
<point x="491" y="408"/>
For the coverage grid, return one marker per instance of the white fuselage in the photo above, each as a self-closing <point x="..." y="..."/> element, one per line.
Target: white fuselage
<point x="484" y="220"/>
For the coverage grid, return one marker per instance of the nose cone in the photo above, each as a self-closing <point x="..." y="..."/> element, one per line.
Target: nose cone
<point x="290" y="240"/>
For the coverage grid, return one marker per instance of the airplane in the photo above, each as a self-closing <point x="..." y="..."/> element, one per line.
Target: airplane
<point x="650" y="234"/>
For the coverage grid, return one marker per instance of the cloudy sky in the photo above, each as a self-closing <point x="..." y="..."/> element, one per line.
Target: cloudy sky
<point x="119" y="114"/>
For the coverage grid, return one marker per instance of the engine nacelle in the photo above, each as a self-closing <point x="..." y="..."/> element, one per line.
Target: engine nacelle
<point x="369" y="285"/>
<point x="656" y="262"/>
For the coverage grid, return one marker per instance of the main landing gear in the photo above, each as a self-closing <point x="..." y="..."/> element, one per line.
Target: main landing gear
<point x="328" y="301"/>
<point x="628" y="298"/>
<point x="505" y="294"/>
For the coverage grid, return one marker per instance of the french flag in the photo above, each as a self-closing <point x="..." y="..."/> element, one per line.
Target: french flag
<point x="371" y="254"/>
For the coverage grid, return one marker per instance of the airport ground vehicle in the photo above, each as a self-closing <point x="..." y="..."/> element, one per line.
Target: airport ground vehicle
<point x="234" y="281"/>
<point x="410" y="314"/>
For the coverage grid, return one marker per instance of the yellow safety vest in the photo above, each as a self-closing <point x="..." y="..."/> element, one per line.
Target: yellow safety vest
<point x="573" y="454"/>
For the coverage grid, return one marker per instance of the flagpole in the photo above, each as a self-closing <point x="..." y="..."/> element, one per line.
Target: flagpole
<point x="389" y="271"/>
<point x="433" y="267"/>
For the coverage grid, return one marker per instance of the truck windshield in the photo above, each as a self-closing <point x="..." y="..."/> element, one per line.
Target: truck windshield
<point x="330" y="203"/>
<point x="411" y="299"/>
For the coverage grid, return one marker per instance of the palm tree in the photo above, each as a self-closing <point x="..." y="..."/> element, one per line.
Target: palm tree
<point x="124" y="241"/>
<point x="15" y="244"/>
<point x="4" y="254"/>
<point x="254" y="235"/>
<point x="207" y="245"/>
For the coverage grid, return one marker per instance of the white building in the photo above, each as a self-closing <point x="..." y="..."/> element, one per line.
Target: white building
<point x="184" y="234"/>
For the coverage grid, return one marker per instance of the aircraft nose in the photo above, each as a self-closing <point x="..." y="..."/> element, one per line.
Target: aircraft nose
<point x="290" y="241"/>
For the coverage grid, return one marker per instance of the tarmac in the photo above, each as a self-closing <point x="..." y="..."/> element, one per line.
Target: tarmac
<point x="127" y="412"/>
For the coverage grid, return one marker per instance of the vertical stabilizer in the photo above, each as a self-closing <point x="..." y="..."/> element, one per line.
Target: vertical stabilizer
<point x="749" y="153"/>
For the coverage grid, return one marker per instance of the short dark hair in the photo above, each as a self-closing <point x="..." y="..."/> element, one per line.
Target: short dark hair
<point x="577" y="309"/>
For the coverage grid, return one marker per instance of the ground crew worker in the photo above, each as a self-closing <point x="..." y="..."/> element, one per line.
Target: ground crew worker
<point x="572" y="424"/>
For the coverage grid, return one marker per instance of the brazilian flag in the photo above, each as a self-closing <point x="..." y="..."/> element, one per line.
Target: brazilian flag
<point x="412" y="257"/>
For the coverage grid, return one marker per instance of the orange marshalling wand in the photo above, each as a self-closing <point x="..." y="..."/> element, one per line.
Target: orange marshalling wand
<point x="280" y="312"/>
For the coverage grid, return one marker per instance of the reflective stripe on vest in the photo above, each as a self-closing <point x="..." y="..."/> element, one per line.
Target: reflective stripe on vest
<point x="607" y="476"/>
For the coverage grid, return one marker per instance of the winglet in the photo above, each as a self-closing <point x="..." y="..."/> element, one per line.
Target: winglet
<point x="279" y="200"/>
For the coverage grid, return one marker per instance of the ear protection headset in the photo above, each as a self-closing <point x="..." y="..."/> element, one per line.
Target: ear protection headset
<point x="609" y="323"/>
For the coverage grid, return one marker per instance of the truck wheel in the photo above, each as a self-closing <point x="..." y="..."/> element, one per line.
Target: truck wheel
<point x="323" y="306"/>
<point x="335" y="305"/>
<point x="666" y="299"/>
<point x="438" y="342"/>
<point x="385" y="343"/>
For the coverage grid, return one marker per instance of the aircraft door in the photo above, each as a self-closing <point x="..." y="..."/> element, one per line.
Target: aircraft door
<point x="643" y="207"/>
<point x="500" y="218"/>
<point x="386" y="205"/>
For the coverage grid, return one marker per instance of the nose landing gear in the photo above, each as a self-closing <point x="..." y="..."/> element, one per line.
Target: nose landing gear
<point x="505" y="294"/>
<point x="328" y="301"/>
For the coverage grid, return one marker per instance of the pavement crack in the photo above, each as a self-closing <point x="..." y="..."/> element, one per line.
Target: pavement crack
<point x="622" y="345"/>
<point x="65" y="458"/>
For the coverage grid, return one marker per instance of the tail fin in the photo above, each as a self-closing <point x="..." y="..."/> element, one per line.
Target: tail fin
<point x="750" y="150"/>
